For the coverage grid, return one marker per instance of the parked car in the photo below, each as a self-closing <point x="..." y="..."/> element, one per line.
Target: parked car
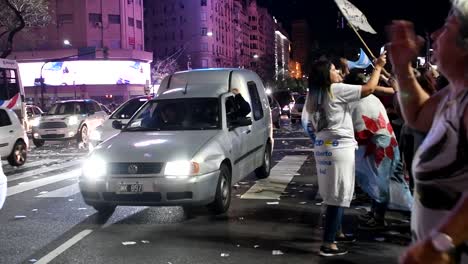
<point x="13" y="138"/>
<point x="186" y="147"/>
<point x="3" y="186"/>
<point x="275" y="111"/>
<point x="34" y="114"/>
<point x="286" y="101"/>
<point x="296" y="110"/>
<point x="123" y="113"/>
<point x="69" y="120"/>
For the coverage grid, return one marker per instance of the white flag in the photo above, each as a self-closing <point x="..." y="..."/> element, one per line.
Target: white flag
<point x="354" y="16"/>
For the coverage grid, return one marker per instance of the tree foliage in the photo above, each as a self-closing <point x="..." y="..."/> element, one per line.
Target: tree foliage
<point x="163" y="68"/>
<point x="17" y="15"/>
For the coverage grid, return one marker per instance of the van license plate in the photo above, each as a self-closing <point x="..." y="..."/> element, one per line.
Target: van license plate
<point x="131" y="188"/>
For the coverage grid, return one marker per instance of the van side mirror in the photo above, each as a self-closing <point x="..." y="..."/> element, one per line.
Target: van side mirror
<point x="116" y="124"/>
<point x="240" y="122"/>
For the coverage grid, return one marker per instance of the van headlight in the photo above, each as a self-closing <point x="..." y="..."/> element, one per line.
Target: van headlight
<point x="94" y="168"/>
<point x="181" y="168"/>
<point x="72" y="120"/>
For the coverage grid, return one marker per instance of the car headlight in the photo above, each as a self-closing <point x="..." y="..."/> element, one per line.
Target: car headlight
<point x="72" y="120"/>
<point x="95" y="135"/>
<point x="181" y="168"/>
<point x="35" y="122"/>
<point x="94" y="168"/>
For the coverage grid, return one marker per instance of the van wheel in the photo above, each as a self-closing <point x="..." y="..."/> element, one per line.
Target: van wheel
<point x="263" y="171"/>
<point x="83" y="135"/>
<point x="223" y="192"/>
<point x="18" y="154"/>
<point x="38" y="143"/>
<point x="104" y="209"/>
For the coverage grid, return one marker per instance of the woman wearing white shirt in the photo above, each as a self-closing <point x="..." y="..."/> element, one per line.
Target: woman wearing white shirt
<point x="329" y="108"/>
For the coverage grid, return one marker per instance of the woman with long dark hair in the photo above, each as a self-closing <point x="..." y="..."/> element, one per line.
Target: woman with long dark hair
<point x="329" y="108"/>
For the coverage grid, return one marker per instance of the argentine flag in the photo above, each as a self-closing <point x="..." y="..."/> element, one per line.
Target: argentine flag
<point x="362" y="63"/>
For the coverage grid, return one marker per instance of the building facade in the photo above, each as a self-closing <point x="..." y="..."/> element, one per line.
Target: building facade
<point x="212" y="33"/>
<point x="198" y="34"/>
<point x="86" y="35"/>
<point x="300" y="36"/>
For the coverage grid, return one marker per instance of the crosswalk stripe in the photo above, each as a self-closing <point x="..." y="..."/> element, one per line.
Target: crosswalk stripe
<point x="293" y="138"/>
<point x="59" y="154"/>
<point x="30" y="173"/>
<point x="280" y="176"/>
<point x="62" y="192"/>
<point x="29" y="165"/>
<point x="42" y="182"/>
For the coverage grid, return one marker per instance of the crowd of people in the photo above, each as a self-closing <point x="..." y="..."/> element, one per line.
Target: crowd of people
<point x="409" y="153"/>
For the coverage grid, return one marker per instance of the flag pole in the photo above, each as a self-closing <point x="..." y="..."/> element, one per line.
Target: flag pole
<point x="362" y="40"/>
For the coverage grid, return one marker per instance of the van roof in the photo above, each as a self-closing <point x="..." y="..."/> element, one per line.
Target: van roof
<point x="202" y="82"/>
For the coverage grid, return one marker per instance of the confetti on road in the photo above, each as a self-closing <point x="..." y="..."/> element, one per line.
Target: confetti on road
<point x="272" y="203"/>
<point x="224" y="255"/>
<point x="128" y="243"/>
<point x="17" y="217"/>
<point x="379" y="239"/>
<point x="277" y="253"/>
<point x="34" y="210"/>
<point x="145" y="241"/>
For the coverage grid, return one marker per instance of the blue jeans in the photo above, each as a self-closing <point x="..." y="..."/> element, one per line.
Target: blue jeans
<point x="333" y="218"/>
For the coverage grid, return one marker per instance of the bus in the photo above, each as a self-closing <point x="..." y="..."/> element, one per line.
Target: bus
<point x="11" y="90"/>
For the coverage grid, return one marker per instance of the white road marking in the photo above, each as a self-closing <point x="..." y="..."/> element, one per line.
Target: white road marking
<point x="62" y="192"/>
<point x="295" y="150"/>
<point x="30" y="164"/>
<point x="62" y="248"/>
<point x="294" y="138"/>
<point x="280" y="176"/>
<point x="41" y="182"/>
<point x="59" y="154"/>
<point x="42" y="170"/>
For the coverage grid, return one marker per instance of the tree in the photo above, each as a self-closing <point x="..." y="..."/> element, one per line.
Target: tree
<point x="17" y="15"/>
<point x="163" y="68"/>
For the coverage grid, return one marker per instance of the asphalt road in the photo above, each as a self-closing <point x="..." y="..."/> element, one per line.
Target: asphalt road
<point x="45" y="219"/>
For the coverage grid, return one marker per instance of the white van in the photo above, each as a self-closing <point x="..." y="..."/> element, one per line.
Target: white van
<point x="12" y="90"/>
<point x="184" y="147"/>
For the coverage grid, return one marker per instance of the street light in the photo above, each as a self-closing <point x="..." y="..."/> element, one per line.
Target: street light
<point x="256" y="56"/>
<point x="209" y="34"/>
<point x="67" y="42"/>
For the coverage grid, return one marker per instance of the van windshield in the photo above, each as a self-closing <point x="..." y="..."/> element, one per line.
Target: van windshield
<point x="177" y="114"/>
<point x="129" y="108"/>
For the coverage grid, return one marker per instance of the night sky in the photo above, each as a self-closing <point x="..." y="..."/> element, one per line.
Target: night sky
<point x="322" y="15"/>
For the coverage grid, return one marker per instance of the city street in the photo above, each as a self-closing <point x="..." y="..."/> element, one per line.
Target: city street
<point x="45" y="220"/>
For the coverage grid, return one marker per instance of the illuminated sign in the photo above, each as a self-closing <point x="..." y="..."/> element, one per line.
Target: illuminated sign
<point x="86" y="72"/>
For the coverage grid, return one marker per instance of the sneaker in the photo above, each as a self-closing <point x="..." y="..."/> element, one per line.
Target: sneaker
<point x="329" y="252"/>
<point x="345" y="239"/>
<point x="373" y="224"/>
<point x="366" y="217"/>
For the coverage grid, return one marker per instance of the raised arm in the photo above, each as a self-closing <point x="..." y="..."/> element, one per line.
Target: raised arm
<point x="417" y="106"/>
<point x="373" y="82"/>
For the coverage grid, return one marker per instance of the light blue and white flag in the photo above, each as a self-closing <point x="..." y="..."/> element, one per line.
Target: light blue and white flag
<point x="362" y="63"/>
